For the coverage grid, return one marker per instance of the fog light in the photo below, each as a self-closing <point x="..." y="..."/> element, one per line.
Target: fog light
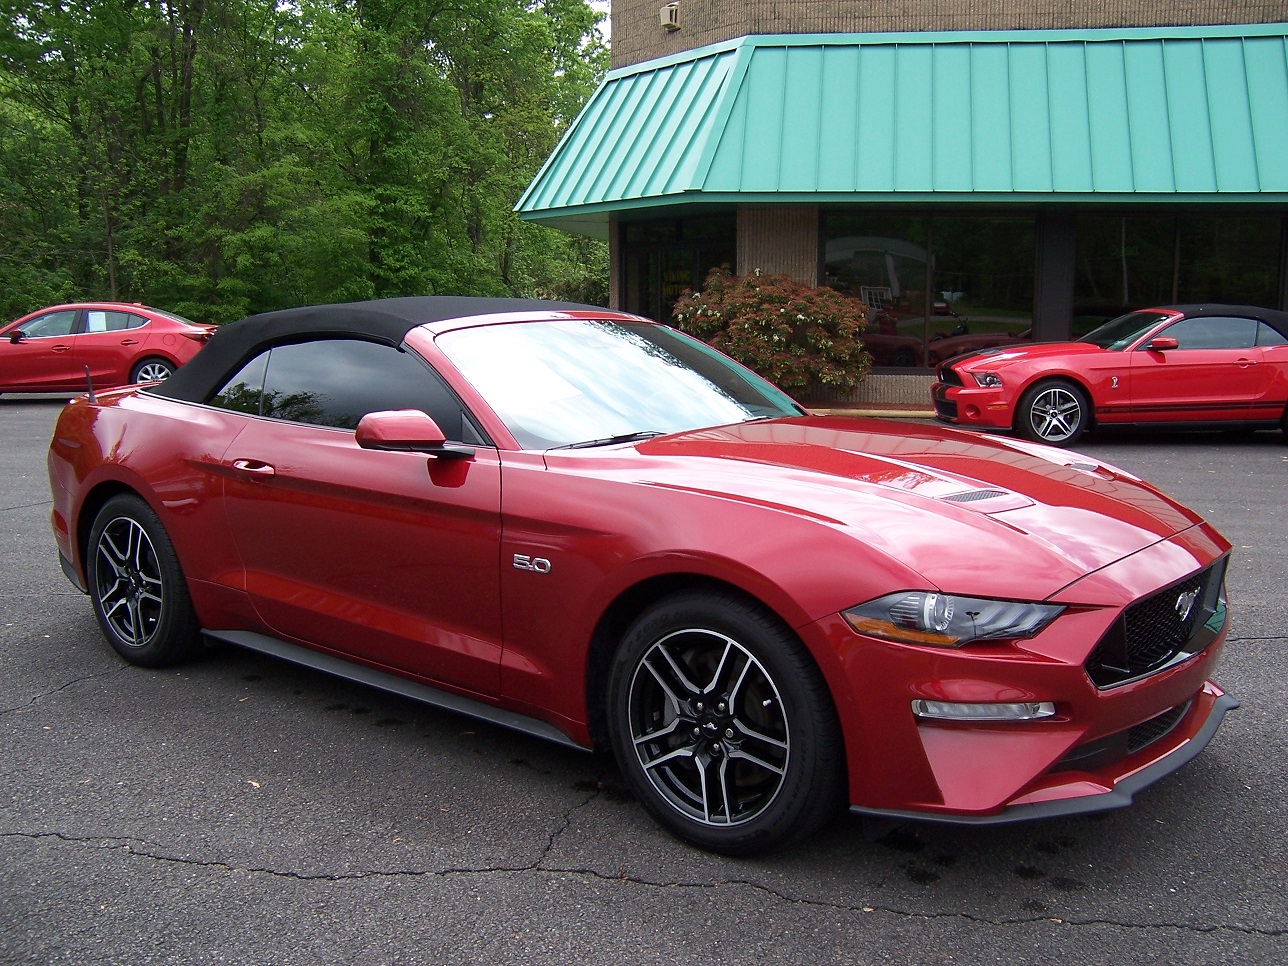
<point x="952" y="711"/>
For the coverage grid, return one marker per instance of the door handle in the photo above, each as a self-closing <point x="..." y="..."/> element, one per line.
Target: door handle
<point x="1246" y="363"/>
<point x="254" y="469"/>
<point x="129" y="342"/>
<point x="61" y="348"/>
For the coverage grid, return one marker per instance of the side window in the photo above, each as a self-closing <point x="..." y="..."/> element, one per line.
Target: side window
<point x="100" y="321"/>
<point x="244" y="391"/>
<point x="53" y="324"/>
<point x="1214" y="332"/>
<point x="1266" y="335"/>
<point x="335" y="382"/>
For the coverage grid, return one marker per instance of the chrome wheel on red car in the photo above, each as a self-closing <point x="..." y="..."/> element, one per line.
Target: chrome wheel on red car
<point x="139" y="594"/>
<point x="723" y="726"/>
<point x="1053" y="411"/>
<point x="152" y="370"/>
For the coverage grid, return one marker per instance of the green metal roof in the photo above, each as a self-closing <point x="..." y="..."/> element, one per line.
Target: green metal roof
<point x="1107" y="115"/>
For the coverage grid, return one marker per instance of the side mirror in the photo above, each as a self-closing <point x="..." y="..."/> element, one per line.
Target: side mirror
<point x="407" y="431"/>
<point x="16" y="336"/>
<point x="1162" y="343"/>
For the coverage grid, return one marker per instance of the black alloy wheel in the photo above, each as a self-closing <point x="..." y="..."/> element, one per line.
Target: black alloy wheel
<point x="723" y="725"/>
<point x="138" y="590"/>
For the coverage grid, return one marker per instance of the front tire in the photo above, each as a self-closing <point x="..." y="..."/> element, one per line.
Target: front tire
<point x="138" y="590"/>
<point x="1054" y="411"/>
<point x="152" y="370"/>
<point x="723" y="726"/>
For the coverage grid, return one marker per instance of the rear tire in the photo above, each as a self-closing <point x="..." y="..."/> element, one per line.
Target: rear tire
<point x="138" y="590"/>
<point x="723" y="726"/>
<point x="152" y="370"/>
<point x="1054" y="411"/>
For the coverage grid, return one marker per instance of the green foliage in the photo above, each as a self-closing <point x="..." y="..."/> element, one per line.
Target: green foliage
<point x="796" y="336"/>
<point x="224" y="158"/>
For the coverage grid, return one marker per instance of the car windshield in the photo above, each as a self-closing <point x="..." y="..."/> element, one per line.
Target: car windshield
<point x="1123" y="331"/>
<point x="579" y="382"/>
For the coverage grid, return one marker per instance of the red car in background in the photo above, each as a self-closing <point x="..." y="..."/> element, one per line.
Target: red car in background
<point x="595" y="529"/>
<point x="1217" y="366"/>
<point x="121" y="343"/>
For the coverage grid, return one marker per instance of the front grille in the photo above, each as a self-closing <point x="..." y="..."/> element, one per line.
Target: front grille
<point x="950" y="376"/>
<point x="1114" y="748"/>
<point x="945" y="409"/>
<point x="1168" y="626"/>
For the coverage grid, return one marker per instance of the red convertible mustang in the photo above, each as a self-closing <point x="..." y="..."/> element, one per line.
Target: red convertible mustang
<point x="119" y="343"/>
<point x="1192" y="365"/>
<point x="590" y="527"/>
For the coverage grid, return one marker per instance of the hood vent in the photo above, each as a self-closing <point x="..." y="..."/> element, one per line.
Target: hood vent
<point x="973" y="496"/>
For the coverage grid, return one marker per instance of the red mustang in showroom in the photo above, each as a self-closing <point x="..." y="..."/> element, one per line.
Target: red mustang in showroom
<point x="1199" y="366"/>
<point x="592" y="528"/>
<point x="120" y="343"/>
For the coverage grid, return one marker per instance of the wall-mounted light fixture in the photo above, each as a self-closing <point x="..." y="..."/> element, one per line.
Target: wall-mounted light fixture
<point x="670" y="17"/>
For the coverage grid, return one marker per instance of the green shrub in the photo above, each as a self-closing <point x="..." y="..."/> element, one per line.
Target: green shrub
<point x="796" y="336"/>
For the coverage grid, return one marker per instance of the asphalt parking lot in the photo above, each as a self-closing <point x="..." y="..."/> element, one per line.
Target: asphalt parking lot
<point x="242" y="810"/>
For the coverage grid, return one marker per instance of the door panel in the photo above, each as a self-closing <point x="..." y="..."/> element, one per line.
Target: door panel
<point x="43" y="358"/>
<point x="1215" y="374"/>
<point x="109" y="345"/>
<point x="389" y="557"/>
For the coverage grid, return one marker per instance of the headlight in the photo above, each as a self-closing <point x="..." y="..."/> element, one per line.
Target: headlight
<point x="946" y="620"/>
<point x="987" y="380"/>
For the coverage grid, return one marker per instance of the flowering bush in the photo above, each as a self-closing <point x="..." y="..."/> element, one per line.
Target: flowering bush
<point x="795" y="336"/>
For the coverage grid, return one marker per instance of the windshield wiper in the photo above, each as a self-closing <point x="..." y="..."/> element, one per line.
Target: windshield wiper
<point x="610" y="440"/>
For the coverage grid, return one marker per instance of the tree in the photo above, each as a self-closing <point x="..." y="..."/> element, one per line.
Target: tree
<point x="223" y="158"/>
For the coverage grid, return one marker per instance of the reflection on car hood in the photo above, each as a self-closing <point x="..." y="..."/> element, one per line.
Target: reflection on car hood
<point x="1035" y="518"/>
<point x="1002" y="356"/>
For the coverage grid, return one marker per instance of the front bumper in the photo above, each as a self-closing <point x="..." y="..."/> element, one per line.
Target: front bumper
<point x="1081" y="793"/>
<point x="964" y="406"/>
<point x="1104" y="743"/>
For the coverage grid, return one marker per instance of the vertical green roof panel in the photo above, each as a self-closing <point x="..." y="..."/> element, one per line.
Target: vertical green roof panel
<point x="990" y="130"/>
<point x="1029" y="107"/>
<point x="1227" y="84"/>
<point x="1114" y="115"/>
<point x="1188" y="111"/>
<point x="1267" y="60"/>
<point x="1149" y="139"/>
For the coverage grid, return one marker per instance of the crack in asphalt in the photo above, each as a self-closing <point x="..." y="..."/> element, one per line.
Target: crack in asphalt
<point x="62" y="687"/>
<point x="25" y="506"/>
<point x="153" y="853"/>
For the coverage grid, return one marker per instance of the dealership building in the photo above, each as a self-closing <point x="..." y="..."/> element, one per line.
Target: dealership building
<point x="1024" y="167"/>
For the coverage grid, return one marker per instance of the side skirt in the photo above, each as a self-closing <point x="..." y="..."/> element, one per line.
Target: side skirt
<point x="350" y="671"/>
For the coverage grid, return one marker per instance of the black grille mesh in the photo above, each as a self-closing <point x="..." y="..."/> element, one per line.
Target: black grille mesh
<point x="949" y="376"/>
<point x="1155" y="630"/>
<point x="1148" y="732"/>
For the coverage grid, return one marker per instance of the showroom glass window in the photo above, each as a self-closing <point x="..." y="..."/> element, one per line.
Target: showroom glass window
<point x="335" y="382"/>
<point x="1127" y="262"/>
<point x="930" y="278"/>
<point x="663" y="257"/>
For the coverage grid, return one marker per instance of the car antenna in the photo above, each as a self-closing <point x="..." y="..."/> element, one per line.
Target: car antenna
<point x="89" y="381"/>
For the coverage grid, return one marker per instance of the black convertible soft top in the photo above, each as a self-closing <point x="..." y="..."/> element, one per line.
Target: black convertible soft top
<point x="381" y="320"/>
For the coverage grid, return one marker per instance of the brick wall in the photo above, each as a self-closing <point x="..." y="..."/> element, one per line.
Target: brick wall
<point x="637" y="34"/>
<point x="779" y="239"/>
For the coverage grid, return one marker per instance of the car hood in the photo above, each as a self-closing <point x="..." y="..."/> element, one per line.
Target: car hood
<point x="1020" y="518"/>
<point x="1002" y="356"/>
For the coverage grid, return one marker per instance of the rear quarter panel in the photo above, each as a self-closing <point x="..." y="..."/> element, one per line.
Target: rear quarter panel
<point x="166" y="452"/>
